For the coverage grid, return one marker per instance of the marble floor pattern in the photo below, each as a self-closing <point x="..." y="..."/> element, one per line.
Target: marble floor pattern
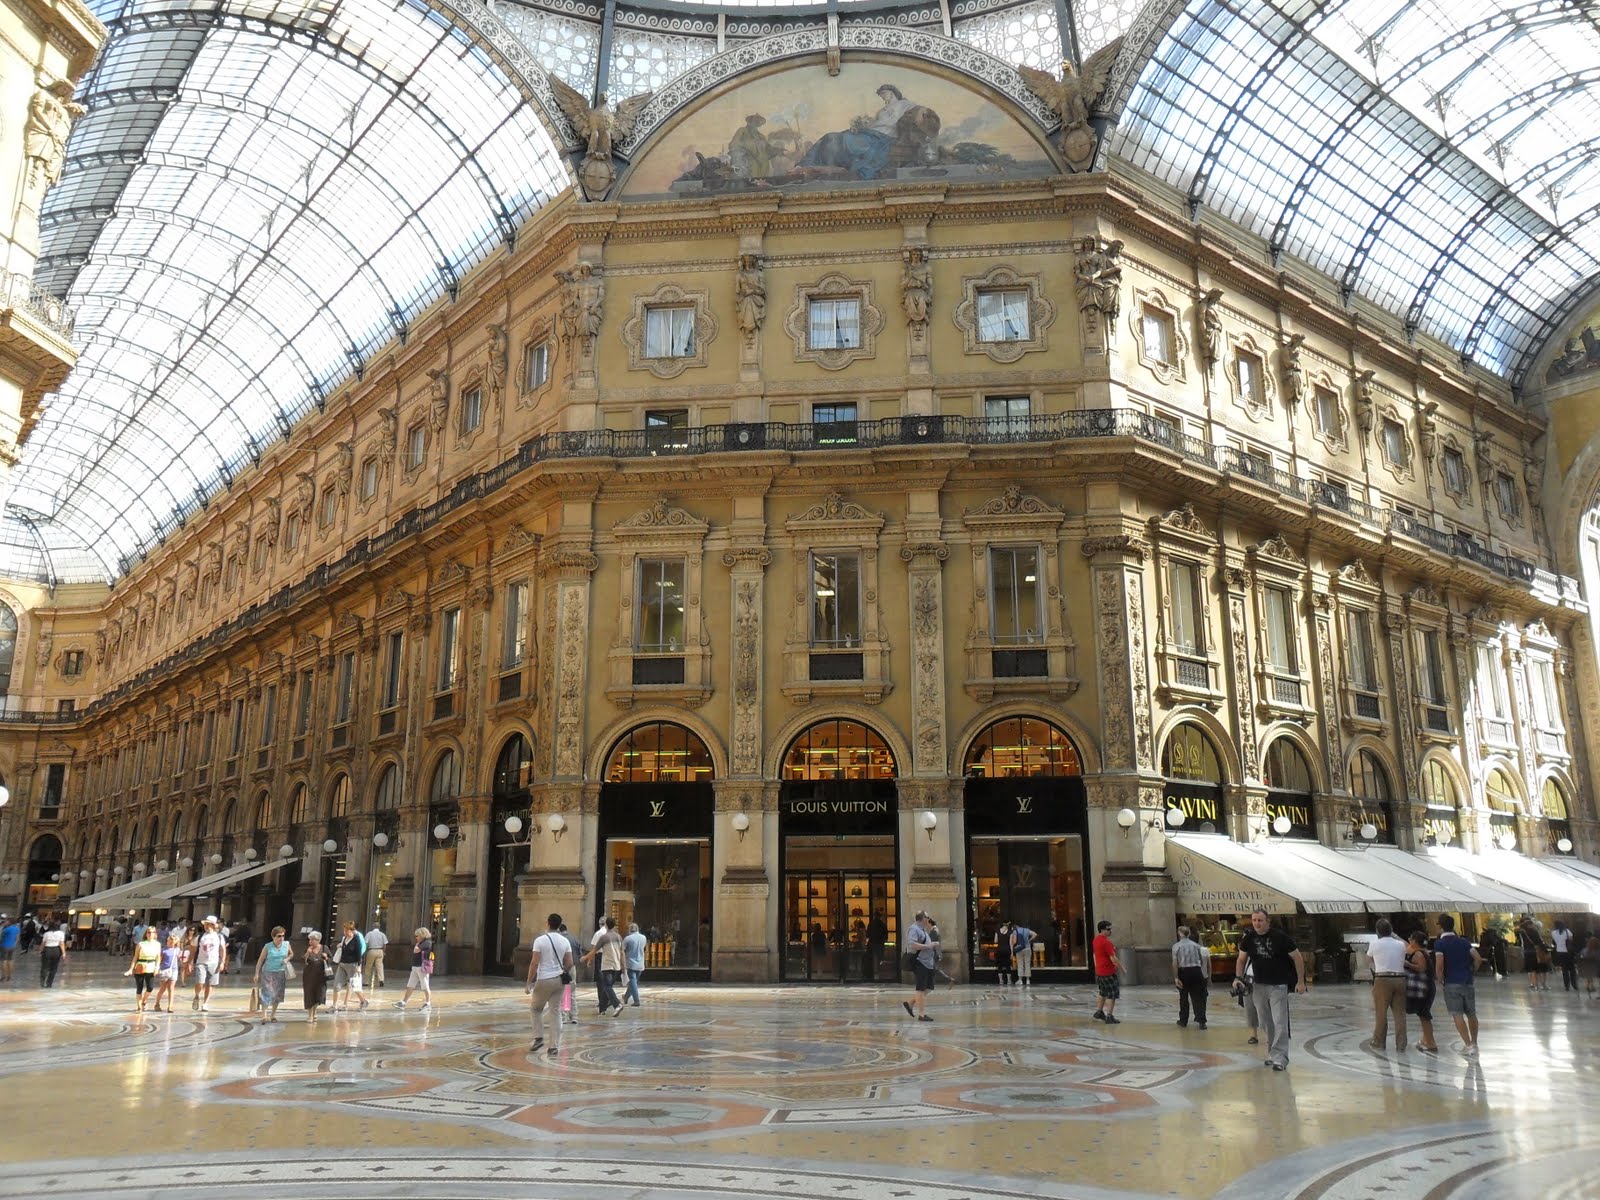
<point x="796" y="1092"/>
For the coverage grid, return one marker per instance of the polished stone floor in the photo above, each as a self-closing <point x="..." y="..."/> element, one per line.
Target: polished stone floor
<point x="764" y="1092"/>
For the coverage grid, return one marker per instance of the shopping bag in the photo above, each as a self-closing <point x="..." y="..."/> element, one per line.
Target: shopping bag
<point x="255" y="999"/>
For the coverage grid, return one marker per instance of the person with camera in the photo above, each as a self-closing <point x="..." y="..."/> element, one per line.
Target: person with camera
<point x="549" y="971"/>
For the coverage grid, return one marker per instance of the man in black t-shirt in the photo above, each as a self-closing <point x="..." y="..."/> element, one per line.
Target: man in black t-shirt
<point x="1277" y="965"/>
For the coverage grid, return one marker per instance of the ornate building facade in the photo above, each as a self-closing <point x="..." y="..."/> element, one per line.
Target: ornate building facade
<point x="777" y="542"/>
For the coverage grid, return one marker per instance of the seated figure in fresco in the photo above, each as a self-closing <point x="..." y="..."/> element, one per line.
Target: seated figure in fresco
<point x="873" y="146"/>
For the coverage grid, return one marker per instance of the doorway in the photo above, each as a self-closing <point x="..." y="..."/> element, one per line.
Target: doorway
<point x="840" y="914"/>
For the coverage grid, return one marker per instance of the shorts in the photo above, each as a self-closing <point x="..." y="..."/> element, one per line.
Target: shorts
<point x="8" y="955"/>
<point x="1461" y="999"/>
<point x="419" y="979"/>
<point x="168" y="975"/>
<point x="923" y="976"/>
<point x="1108" y="987"/>
<point x="207" y="973"/>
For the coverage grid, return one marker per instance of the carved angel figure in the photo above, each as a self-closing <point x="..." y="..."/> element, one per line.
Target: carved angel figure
<point x="438" y="398"/>
<point x="750" y="292"/>
<point x="1294" y="374"/>
<point x="1071" y="96"/>
<point x="598" y="125"/>
<point x="499" y="352"/>
<point x="51" y="113"/>
<point x="916" y="286"/>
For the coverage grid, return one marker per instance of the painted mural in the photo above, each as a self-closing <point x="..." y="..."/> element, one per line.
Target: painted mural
<point x="805" y="128"/>
<point x="1581" y="354"/>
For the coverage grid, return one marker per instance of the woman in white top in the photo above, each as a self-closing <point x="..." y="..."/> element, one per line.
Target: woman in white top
<point x="52" y="953"/>
<point x="549" y="970"/>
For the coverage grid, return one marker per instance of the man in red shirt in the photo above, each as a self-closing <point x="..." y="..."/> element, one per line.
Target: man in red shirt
<point x="1106" y="969"/>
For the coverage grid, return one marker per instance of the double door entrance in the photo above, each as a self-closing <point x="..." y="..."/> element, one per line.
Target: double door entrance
<point x="840" y="912"/>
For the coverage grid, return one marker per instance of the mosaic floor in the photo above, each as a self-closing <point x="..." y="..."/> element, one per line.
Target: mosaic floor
<point x="763" y="1092"/>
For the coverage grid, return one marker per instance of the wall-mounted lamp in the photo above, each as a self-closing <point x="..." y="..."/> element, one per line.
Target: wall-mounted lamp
<point x="380" y="839"/>
<point x="286" y="851"/>
<point x="99" y="872"/>
<point x="1363" y="836"/>
<point x="1281" y="825"/>
<point x="513" y="826"/>
<point x="1127" y="819"/>
<point x="83" y="874"/>
<point x="929" y="822"/>
<point x="55" y="879"/>
<point x="215" y="860"/>
<point x="330" y="847"/>
<point x="250" y="854"/>
<point x="741" y="824"/>
<point x="557" y="824"/>
<point x="138" y="868"/>
<point x="1506" y="841"/>
<point x="161" y="864"/>
<point x="441" y="832"/>
<point x="186" y="862"/>
<point x="1564" y="845"/>
<point x="117" y="870"/>
<point x="1175" y="818"/>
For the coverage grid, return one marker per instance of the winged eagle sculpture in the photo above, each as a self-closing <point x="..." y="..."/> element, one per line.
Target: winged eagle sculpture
<point x="599" y="125"/>
<point x="1071" y="97"/>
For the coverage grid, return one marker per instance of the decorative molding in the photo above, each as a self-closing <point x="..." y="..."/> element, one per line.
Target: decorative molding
<point x="1116" y="544"/>
<point x="1276" y="547"/>
<point x="1167" y="371"/>
<point x="833" y="286"/>
<point x="661" y="515"/>
<point x="1041" y="313"/>
<point x="669" y="295"/>
<point x="1356" y="572"/>
<point x="835" y="510"/>
<point x="1183" y="520"/>
<point x="1257" y="408"/>
<point x="1012" y="502"/>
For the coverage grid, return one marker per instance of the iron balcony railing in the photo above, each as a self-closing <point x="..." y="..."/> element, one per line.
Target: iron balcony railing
<point x="834" y="436"/>
<point x="21" y="292"/>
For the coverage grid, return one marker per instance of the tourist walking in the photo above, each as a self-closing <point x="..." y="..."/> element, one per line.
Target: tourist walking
<point x="274" y="966"/>
<point x="606" y="954"/>
<point x="171" y="962"/>
<point x="210" y="959"/>
<point x="633" y="951"/>
<point x="144" y="965"/>
<point x="1022" y="953"/>
<point x="1241" y="991"/>
<point x="1386" y="957"/>
<point x="52" y="953"/>
<point x="10" y="937"/>
<point x="372" y="960"/>
<point x="1492" y="950"/>
<point x="1563" y="943"/>
<point x="1535" y="956"/>
<point x="314" y="976"/>
<point x="1107" y="975"/>
<point x="421" y="977"/>
<point x="1421" y="989"/>
<point x="1589" y="963"/>
<point x="569" y="1010"/>
<point x="1455" y="965"/>
<point x="347" y="959"/>
<point x="922" y="949"/>
<point x="1002" y="953"/>
<point x="549" y="971"/>
<point x="1191" y="974"/>
<point x="1277" y="965"/>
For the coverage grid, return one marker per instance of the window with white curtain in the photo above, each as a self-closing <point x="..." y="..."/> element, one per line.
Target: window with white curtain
<point x="669" y="332"/>
<point x="1003" y="315"/>
<point x="835" y="324"/>
<point x="1281" y="652"/>
<point x="1183" y="584"/>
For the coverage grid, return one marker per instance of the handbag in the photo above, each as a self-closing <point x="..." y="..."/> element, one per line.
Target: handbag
<point x="911" y="960"/>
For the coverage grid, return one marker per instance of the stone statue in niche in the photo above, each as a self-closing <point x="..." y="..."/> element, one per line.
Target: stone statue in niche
<point x="1099" y="277"/>
<point x="750" y="294"/>
<point x="1428" y="429"/>
<point x="305" y="493"/>
<point x="1483" y="452"/>
<point x="1211" y="328"/>
<point x="499" y="352"/>
<point x="1366" y="414"/>
<point x="51" y="113"/>
<point x="347" y="468"/>
<point x="438" y="398"/>
<point x="916" y="286"/>
<point x="1071" y="97"/>
<point x="389" y="436"/>
<point x="600" y="126"/>
<point x="1294" y="374"/>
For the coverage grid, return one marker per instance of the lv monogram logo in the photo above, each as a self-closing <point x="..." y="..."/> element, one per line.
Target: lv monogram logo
<point x="1024" y="804"/>
<point x="1022" y="875"/>
<point x="658" y="808"/>
<point x="666" y="879"/>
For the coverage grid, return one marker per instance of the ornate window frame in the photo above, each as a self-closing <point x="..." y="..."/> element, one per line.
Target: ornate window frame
<point x="364" y="498"/>
<point x="1542" y="653"/>
<point x="1015" y="519"/>
<point x="409" y="470"/>
<point x="833" y="286"/>
<point x="1168" y="373"/>
<point x="1257" y="409"/>
<point x="1281" y="696"/>
<point x="1356" y="592"/>
<point x="1510" y="513"/>
<point x="1337" y="440"/>
<point x="660" y="531"/>
<point x="540" y="333"/>
<point x="1180" y="537"/>
<point x="669" y="295"/>
<point x="1041" y="313"/>
<point x="1450" y="444"/>
<point x="1406" y="471"/>
<point x="836" y="524"/>
<point x="1427" y="613"/>
<point x="476" y="379"/>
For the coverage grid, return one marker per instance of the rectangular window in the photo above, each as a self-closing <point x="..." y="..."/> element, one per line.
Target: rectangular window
<point x="1363" y="658"/>
<point x="1281" y="647"/>
<point x="291" y="531"/>
<point x="392" y="664"/>
<point x="66" y="706"/>
<point x="1015" y="585"/>
<point x="1008" y="414"/>
<point x="236" y="738"/>
<point x="835" y="324"/>
<point x="369" y="478"/>
<point x="1492" y="684"/>
<point x="1003" y="316"/>
<point x="835" y="599"/>
<point x="1455" y="472"/>
<point x="667" y="429"/>
<point x="661" y="604"/>
<point x="514" y="634"/>
<point x="1505" y="491"/>
<point x="1158" y="335"/>
<point x="416" y="446"/>
<point x="302" y="715"/>
<point x="1430" y="667"/>
<point x="208" y="738"/>
<point x="72" y="663"/>
<point x="471" y="410"/>
<point x="55" y="786"/>
<point x="1183" y="583"/>
<point x="1541" y="686"/>
<point x="269" y="714"/>
<point x="185" y="734"/>
<point x="669" y="332"/>
<point x="449" y="650"/>
<point x="330" y="506"/>
<point x="345" y="692"/>
<point x="1252" y="382"/>
<point x="1394" y="442"/>
<point x="1327" y="411"/>
<point x="535" y="365"/>
<point x="835" y="424"/>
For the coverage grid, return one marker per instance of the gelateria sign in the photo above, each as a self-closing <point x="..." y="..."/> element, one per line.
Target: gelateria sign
<point x="1206" y="887"/>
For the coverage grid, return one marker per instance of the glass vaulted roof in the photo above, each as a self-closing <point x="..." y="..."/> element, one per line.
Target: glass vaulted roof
<point x="1440" y="158"/>
<point x="260" y="196"/>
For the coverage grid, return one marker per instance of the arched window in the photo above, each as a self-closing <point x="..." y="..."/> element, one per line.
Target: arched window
<point x="1369" y="786"/>
<point x="1439" y="794"/>
<point x="263" y="811"/>
<point x="446" y="784"/>
<point x="8" y="647"/>
<point x="299" y="804"/>
<point x="1021" y="746"/>
<point x="511" y="769"/>
<point x="1289" y="790"/>
<point x="1554" y="802"/>
<point x="659" y="753"/>
<point x="339" y="798"/>
<point x="1502" y="799"/>
<point x="387" y="797"/>
<point x="1194" y="779"/>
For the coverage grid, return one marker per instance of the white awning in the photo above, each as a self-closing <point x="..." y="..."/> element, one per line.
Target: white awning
<point x="1217" y="875"/>
<point x="1586" y="872"/>
<point x="1549" y="890"/>
<point x="1415" y="885"/>
<point x="227" y="878"/>
<point x="136" y="893"/>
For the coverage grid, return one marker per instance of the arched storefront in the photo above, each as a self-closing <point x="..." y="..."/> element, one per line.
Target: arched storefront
<point x="1501" y="795"/>
<point x="1195" y="780"/>
<point x="508" y="856"/>
<point x="1027" y="819"/>
<point x="444" y="814"/>
<point x="334" y="864"/>
<point x="1557" y="818"/>
<point x="1443" y="813"/>
<point x="44" y="873"/>
<point x="1373" y="797"/>
<point x="385" y="845"/>
<point x="656" y="808"/>
<point x="1291" y="801"/>
<point x="837" y="814"/>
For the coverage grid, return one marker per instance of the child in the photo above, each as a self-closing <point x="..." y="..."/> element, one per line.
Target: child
<point x="171" y="958"/>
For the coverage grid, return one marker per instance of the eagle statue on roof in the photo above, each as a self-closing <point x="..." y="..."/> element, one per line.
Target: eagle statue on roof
<point x="1071" y="97"/>
<point x="599" y="125"/>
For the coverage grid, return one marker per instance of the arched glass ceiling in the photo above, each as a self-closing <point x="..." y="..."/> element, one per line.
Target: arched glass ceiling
<point x="1441" y="159"/>
<point x="260" y="196"/>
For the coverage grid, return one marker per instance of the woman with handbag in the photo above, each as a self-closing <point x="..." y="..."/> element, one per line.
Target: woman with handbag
<point x="146" y="962"/>
<point x="1420" y="988"/>
<point x="549" y="972"/>
<point x="274" y="966"/>
<point x="314" y="976"/>
<point x="421" y="968"/>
